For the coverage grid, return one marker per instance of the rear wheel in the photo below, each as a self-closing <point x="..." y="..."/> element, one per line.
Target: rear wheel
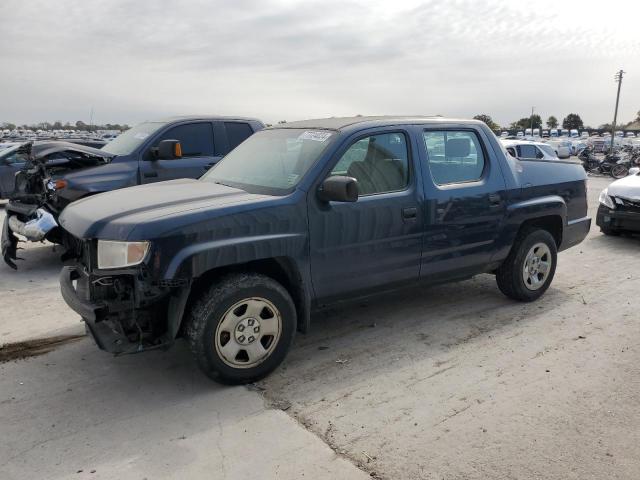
<point x="241" y="328"/>
<point x="529" y="269"/>
<point x="619" y="171"/>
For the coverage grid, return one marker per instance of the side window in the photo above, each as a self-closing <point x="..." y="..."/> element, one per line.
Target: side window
<point x="237" y="133"/>
<point x="380" y="163"/>
<point x="512" y="152"/>
<point x="527" y="151"/>
<point x="196" y="139"/>
<point x="14" y="157"/>
<point x="539" y="153"/>
<point x="454" y="156"/>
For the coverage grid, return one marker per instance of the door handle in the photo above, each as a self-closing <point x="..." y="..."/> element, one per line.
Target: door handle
<point x="150" y="174"/>
<point x="495" y="199"/>
<point x="409" y="213"/>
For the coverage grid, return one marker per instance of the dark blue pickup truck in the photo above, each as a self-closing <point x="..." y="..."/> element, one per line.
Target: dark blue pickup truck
<point x="308" y="213"/>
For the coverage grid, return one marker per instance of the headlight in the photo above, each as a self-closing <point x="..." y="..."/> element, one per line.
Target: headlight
<point x="606" y="200"/>
<point x="112" y="254"/>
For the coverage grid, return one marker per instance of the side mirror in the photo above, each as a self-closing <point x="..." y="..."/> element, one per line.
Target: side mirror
<point x="168" y="150"/>
<point x="338" y="188"/>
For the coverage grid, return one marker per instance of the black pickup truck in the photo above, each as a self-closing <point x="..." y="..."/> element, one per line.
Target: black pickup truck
<point x="52" y="174"/>
<point x="306" y="214"/>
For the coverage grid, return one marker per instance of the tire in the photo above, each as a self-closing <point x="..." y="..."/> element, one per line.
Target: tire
<point x="241" y="329"/>
<point x="610" y="232"/>
<point x="511" y="274"/>
<point x="619" y="171"/>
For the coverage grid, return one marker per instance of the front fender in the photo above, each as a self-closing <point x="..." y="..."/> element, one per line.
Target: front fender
<point x="194" y="260"/>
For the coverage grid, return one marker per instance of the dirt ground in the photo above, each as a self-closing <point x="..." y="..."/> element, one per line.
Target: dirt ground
<point x="453" y="382"/>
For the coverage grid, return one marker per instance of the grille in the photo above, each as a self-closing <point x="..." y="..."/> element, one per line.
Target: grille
<point x="627" y="205"/>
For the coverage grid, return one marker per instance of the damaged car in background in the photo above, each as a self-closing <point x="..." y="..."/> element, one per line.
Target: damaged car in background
<point x="34" y="203"/>
<point x="54" y="174"/>
<point x="619" y="209"/>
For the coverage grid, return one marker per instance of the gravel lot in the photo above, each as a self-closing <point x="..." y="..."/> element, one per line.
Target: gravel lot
<point x="453" y="382"/>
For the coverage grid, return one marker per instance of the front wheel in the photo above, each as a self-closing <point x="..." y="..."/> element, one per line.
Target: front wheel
<point x="529" y="269"/>
<point x="241" y="329"/>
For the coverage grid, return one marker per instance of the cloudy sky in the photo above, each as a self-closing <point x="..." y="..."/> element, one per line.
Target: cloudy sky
<point x="278" y="59"/>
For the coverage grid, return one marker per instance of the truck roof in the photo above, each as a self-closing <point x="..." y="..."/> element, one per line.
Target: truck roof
<point x="341" y="123"/>
<point x="177" y="118"/>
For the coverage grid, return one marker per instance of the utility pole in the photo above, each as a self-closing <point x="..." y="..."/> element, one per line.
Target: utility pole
<point x="532" y="120"/>
<point x="618" y="78"/>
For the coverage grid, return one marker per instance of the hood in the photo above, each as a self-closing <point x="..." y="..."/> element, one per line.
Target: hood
<point x="115" y="215"/>
<point x="42" y="149"/>
<point x="627" y="187"/>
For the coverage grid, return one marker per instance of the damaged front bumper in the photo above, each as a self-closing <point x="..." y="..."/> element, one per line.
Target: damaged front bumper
<point x="622" y="218"/>
<point x="28" y="221"/>
<point x="124" y="311"/>
<point x="9" y="245"/>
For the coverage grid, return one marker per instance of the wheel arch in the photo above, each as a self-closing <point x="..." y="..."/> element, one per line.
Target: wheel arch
<point x="551" y="223"/>
<point x="284" y="270"/>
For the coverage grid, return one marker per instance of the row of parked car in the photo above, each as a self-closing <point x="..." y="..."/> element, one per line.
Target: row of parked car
<point x="573" y="133"/>
<point x="18" y="134"/>
<point x="172" y="232"/>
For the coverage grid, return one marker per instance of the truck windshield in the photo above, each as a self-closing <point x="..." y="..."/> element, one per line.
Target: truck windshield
<point x="271" y="162"/>
<point x="127" y="142"/>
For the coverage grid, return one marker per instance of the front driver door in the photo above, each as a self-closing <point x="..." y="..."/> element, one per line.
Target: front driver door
<point x="375" y="241"/>
<point x="198" y="154"/>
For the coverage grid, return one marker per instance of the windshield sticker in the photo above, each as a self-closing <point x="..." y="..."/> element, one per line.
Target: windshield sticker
<point x="141" y="135"/>
<point x="314" y="135"/>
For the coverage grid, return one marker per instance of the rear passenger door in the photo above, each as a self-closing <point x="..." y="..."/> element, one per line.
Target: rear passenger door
<point x="377" y="240"/>
<point x="198" y="153"/>
<point x="464" y="202"/>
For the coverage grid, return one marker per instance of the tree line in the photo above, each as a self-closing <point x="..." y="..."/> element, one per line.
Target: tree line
<point x="571" y="121"/>
<point x="79" y="125"/>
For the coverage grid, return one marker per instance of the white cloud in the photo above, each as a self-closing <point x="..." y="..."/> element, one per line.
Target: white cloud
<point x="133" y="60"/>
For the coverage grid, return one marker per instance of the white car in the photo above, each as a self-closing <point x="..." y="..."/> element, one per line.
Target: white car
<point x="524" y="150"/>
<point x="561" y="146"/>
<point x="619" y="208"/>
